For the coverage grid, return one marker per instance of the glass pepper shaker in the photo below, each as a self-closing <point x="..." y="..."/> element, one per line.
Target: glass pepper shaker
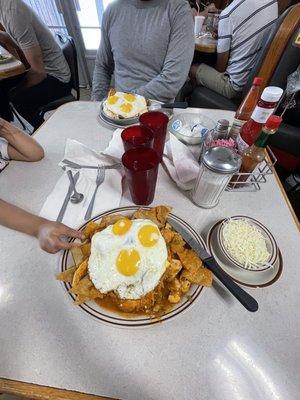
<point x="217" y="167"/>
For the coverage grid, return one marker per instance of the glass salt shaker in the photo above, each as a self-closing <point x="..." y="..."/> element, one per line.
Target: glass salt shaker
<point x="220" y="131"/>
<point x="217" y="167"/>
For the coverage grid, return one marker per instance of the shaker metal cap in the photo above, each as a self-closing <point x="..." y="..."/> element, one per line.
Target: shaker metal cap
<point x="222" y="160"/>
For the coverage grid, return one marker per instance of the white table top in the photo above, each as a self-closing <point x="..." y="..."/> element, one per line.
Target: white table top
<point x="216" y="350"/>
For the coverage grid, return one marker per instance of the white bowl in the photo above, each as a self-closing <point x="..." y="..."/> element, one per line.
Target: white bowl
<point x="269" y="239"/>
<point x="181" y="123"/>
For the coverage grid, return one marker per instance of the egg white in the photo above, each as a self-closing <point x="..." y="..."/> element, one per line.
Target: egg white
<point x="102" y="267"/>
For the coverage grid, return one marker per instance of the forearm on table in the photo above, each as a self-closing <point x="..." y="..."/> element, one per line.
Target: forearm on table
<point x="15" y="218"/>
<point x="20" y="145"/>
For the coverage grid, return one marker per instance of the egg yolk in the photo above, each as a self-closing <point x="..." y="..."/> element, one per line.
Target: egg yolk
<point x="126" y="108"/>
<point x="129" y="97"/>
<point x="128" y="262"/>
<point x="112" y="99"/>
<point x="122" y="226"/>
<point x="148" y="235"/>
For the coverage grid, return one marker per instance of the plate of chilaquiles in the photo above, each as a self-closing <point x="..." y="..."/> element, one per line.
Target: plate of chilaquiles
<point x="134" y="270"/>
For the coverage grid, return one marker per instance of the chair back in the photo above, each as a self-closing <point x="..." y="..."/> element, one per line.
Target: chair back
<point x="68" y="47"/>
<point x="278" y="52"/>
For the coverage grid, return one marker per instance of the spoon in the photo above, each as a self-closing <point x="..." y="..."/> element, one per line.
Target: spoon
<point x="76" y="197"/>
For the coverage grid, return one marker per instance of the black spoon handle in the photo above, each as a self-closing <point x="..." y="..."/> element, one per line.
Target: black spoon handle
<point x="243" y="297"/>
<point x="177" y="104"/>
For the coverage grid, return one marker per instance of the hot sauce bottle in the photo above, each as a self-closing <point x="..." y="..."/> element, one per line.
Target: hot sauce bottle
<point x="246" y="108"/>
<point x="263" y="110"/>
<point x="255" y="154"/>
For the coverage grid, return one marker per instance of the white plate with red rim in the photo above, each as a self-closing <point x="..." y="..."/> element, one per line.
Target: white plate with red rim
<point x="118" y="320"/>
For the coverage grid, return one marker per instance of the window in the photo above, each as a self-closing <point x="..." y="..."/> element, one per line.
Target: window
<point x="89" y="14"/>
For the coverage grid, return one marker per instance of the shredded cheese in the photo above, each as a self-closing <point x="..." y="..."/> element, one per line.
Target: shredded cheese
<point x="245" y="243"/>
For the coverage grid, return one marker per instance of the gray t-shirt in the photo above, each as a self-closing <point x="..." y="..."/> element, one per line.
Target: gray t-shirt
<point x="26" y="28"/>
<point x="147" y="45"/>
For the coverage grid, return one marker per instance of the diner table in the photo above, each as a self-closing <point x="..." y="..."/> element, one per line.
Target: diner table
<point x="50" y="349"/>
<point x="11" y="68"/>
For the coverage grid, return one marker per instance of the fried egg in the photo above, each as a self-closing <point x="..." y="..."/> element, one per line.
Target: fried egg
<point x="128" y="258"/>
<point x="124" y="105"/>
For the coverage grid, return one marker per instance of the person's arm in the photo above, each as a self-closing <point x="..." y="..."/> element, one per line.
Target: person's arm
<point x="167" y="84"/>
<point x="20" y="146"/>
<point x="104" y="64"/>
<point x="10" y="45"/>
<point x="222" y="61"/>
<point x="21" y="30"/>
<point x="224" y="41"/>
<point x="50" y="234"/>
<point x="37" y="72"/>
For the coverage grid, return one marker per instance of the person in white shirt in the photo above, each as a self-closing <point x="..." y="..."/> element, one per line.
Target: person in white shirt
<point x="241" y="30"/>
<point x="16" y="145"/>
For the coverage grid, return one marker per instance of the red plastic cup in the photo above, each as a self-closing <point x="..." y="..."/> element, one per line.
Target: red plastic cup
<point x="141" y="166"/>
<point x="157" y="122"/>
<point x="137" y="136"/>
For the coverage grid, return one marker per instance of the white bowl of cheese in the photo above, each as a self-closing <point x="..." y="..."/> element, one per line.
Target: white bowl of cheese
<point x="247" y="243"/>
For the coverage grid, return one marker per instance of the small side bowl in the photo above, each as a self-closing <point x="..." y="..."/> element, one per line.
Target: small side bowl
<point x="190" y="119"/>
<point x="270" y="243"/>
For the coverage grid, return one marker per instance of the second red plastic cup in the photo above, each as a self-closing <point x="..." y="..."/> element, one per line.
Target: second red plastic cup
<point x="137" y="136"/>
<point x="158" y="123"/>
<point x="141" y="167"/>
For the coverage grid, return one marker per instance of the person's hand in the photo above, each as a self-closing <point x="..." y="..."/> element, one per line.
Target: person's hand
<point x="51" y="236"/>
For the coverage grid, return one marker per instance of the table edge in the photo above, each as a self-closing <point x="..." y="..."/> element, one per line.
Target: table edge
<point x="285" y="196"/>
<point x="39" y="392"/>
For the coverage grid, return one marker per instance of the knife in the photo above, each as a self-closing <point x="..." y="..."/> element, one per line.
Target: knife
<point x="67" y="199"/>
<point x="176" y="104"/>
<point x="243" y="297"/>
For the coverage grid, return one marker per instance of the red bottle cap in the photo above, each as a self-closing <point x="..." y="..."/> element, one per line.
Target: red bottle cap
<point x="273" y="122"/>
<point x="258" y="81"/>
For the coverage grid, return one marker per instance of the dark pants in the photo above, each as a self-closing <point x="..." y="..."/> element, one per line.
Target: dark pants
<point x="28" y="101"/>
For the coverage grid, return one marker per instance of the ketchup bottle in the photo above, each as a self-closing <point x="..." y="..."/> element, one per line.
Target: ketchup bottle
<point x="264" y="108"/>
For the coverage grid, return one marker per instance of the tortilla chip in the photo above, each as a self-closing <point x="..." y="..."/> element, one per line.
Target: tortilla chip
<point x="147" y="214"/>
<point x="201" y="276"/>
<point x="80" y="272"/>
<point x="190" y="260"/>
<point x="67" y="275"/>
<point x="91" y="228"/>
<point x="177" y="244"/>
<point x="162" y="213"/>
<point x="110" y="219"/>
<point x="111" y="92"/>
<point x="82" y="287"/>
<point x="77" y="255"/>
<point x="173" y="269"/>
<point x="86" y="249"/>
<point x="167" y="234"/>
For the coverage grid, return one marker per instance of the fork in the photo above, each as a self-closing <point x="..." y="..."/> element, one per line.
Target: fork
<point x="99" y="180"/>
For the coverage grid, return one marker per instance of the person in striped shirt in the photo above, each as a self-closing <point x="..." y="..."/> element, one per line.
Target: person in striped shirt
<point x="241" y="30"/>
